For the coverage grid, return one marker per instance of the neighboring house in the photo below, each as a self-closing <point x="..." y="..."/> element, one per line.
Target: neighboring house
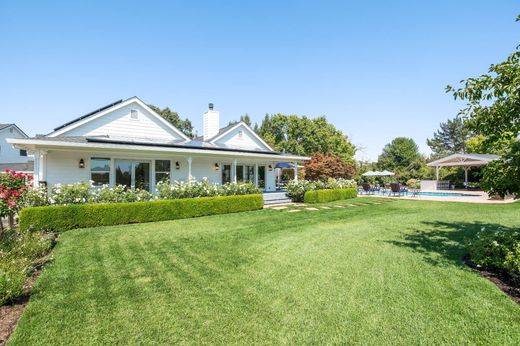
<point x="11" y="157"/>
<point x="128" y="143"/>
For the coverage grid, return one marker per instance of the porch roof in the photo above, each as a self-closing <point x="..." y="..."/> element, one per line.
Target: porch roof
<point x="144" y="144"/>
<point x="464" y="160"/>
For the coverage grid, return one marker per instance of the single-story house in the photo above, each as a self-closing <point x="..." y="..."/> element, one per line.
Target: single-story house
<point x="10" y="157"/>
<point x="127" y="143"/>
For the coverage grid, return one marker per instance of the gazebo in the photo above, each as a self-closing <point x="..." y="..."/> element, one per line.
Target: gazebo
<point x="466" y="161"/>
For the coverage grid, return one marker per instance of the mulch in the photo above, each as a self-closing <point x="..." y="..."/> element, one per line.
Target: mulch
<point x="502" y="280"/>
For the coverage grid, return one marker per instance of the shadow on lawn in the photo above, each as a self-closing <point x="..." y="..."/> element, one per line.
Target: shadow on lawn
<point x="443" y="243"/>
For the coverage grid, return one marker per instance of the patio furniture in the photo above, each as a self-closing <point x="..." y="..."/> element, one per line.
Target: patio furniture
<point x="367" y="188"/>
<point x="395" y="188"/>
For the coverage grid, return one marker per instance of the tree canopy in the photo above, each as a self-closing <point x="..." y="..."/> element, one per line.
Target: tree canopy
<point x="493" y="113"/>
<point x="184" y="125"/>
<point x="244" y="118"/>
<point x="451" y="138"/>
<point x="324" y="166"/>
<point x="399" y="154"/>
<point x="305" y="136"/>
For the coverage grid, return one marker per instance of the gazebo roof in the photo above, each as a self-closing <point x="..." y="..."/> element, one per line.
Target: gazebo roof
<point x="464" y="160"/>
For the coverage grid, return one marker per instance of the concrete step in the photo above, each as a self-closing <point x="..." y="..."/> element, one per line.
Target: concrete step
<point x="276" y="198"/>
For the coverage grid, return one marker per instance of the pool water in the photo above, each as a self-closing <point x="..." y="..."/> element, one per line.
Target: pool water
<point x="432" y="194"/>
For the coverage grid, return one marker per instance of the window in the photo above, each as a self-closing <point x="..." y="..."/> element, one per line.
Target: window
<point x="240" y="134"/>
<point x="23" y="152"/>
<point x="226" y="174"/>
<point x="11" y="130"/>
<point x="240" y="173"/>
<point x="100" y="171"/>
<point x="162" y="170"/>
<point x="261" y="177"/>
<point x="249" y="173"/>
<point x="134" y="114"/>
<point x="124" y="172"/>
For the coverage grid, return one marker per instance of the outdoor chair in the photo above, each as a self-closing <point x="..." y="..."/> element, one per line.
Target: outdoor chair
<point x="367" y="188"/>
<point x="395" y="188"/>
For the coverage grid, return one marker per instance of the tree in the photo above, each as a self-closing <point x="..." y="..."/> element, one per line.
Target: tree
<point x="243" y="118"/>
<point x="324" y="166"/>
<point x="451" y="138"/>
<point x="184" y="125"/>
<point x="493" y="112"/>
<point x="399" y="154"/>
<point x="305" y="136"/>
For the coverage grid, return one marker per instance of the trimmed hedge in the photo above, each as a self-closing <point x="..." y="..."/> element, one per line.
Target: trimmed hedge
<point x="322" y="196"/>
<point x="63" y="218"/>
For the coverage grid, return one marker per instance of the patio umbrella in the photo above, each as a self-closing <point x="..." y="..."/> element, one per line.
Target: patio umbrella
<point x="386" y="173"/>
<point x="369" y="174"/>
<point x="284" y="165"/>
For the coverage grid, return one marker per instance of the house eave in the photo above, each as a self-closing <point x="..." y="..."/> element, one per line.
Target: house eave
<point x="35" y="144"/>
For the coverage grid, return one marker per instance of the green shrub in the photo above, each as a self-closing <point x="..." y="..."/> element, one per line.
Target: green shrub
<point x="321" y="196"/>
<point x="203" y="188"/>
<point x="63" y="218"/>
<point x="297" y="189"/>
<point x="18" y="253"/>
<point x="497" y="250"/>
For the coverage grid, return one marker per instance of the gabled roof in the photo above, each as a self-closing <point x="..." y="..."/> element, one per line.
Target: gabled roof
<point x="88" y="114"/>
<point x="220" y="131"/>
<point x="464" y="160"/>
<point x="109" y="108"/>
<point x="5" y="126"/>
<point x="225" y="130"/>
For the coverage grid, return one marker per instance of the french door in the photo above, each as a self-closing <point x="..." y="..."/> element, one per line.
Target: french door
<point x="133" y="174"/>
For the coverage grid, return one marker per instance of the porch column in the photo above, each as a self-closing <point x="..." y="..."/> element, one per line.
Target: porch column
<point x="256" y="174"/>
<point x="36" y="169"/>
<point x="235" y="171"/>
<point x="437" y="172"/>
<point x="466" y="176"/>
<point x="190" y="159"/>
<point x="295" y="171"/>
<point x="43" y="166"/>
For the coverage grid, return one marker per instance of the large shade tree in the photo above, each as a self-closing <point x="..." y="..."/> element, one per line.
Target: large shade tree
<point x="400" y="153"/>
<point x="493" y="113"/>
<point x="305" y="136"/>
<point x="173" y="118"/>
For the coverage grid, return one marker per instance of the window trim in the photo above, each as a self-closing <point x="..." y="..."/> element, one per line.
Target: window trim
<point x="132" y="112"/>
<point x="168" y="172"/>
<point x="109" y="169"/>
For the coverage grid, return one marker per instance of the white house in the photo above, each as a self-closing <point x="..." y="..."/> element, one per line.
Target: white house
<point x="127" y="143"/>
<point x="10" y="157"/>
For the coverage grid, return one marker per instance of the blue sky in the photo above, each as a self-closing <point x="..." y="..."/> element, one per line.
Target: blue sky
<point x="376" y="69"/>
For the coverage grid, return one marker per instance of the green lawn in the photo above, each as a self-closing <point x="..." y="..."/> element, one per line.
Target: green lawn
<point x="370" y="274"/>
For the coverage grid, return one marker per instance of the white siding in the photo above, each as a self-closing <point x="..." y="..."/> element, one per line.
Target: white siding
<point x="8" y="154"/>
<point x="246" y="141"/>
<point x="63" y="167"/>
<point x="119" y="123"/>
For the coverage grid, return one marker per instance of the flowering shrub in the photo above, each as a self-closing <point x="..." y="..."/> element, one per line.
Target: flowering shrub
<point x="12" y="187"/>
<point x="296" y="189"/>
<point x="78" y="193"/>
<point x="35" y="197"/>
<point x="497" y="250"/>
<point x="204" y="188"/>
<point x="118" y="194"/>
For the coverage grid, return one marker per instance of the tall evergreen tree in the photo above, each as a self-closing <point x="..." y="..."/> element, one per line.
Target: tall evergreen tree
<point x="451" y="138"/>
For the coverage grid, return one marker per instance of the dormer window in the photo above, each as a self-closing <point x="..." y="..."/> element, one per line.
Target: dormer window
<point x="134" y="114"/>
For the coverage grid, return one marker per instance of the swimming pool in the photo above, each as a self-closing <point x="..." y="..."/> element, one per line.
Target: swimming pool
<point x="430" y="194"/>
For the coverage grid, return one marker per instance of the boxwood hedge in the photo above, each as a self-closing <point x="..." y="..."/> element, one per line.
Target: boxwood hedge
<point x="63" y="218"/>
<point x="321" y="196"/>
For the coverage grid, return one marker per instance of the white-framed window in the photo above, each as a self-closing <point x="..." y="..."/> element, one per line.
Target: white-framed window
<point x="100" y="171"/>
<point x="134" y="114"/>
<point x="162" y="170"/>
<point x="240" y="134"/>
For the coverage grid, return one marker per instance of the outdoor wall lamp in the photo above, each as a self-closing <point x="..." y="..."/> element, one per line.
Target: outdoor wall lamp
<point x="81" y="163"/>
<point x="217" y="167"/>
<point x="270" y="168"/>
<point x="177" y="165"/>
